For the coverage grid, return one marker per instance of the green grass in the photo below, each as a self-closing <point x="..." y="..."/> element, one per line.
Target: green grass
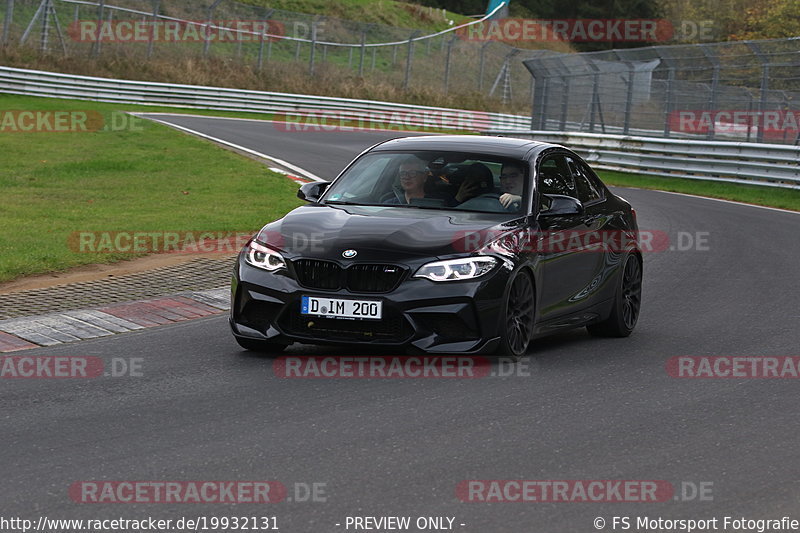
<point x="751" y="194"/>
<point x="147" y="178"/>
<point x="388" y="12"/>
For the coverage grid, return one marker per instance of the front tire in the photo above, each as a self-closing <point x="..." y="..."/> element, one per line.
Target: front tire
<point x="518" y="318"/>
<point x="626" y="305"/>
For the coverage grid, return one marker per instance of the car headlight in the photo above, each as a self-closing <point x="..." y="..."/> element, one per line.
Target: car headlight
<point x="456" y="269"/>
<point x="260" y="256"/>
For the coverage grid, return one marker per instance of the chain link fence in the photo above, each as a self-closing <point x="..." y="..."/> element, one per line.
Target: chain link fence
<point x="742" y="91"/>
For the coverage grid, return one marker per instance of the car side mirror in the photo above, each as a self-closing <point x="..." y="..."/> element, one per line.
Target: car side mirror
<point x="561" y="205"/>
<point x="311" y="192"/>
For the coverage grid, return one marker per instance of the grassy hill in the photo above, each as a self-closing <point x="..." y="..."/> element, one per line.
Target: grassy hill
<point x="388" y="12"/>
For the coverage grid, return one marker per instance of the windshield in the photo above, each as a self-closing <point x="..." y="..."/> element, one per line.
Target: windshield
<point x="433" y="180"/>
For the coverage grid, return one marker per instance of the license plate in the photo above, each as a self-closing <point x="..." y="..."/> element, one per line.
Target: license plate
<point x="341" y="308"/>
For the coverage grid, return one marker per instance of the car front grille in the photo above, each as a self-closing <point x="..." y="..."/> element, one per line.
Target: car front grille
<point x="316" y="274"/>
<point x="327" y="275"/>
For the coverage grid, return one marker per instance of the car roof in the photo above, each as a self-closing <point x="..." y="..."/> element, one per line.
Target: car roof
<point x="511" y="147"/>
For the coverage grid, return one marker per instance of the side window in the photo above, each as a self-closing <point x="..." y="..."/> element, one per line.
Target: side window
<point x="554" y="177"/>
<point x="587" y="190"/>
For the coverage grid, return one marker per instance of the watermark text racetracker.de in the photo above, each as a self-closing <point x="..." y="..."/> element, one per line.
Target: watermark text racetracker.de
<point x="67" y="121"/>
<point x="68" y="367"/>
<point x="331" y="121"/>
<point x="561" y="241"/>
<point x="174" y="31"/>
<point x="581" y="491"/>
<point x="397" y="367"/>
<point x="511" y="30"/>
<point x="734" y="367"/>
<point x="143" y="241"/>
<point x="197" y="491"/>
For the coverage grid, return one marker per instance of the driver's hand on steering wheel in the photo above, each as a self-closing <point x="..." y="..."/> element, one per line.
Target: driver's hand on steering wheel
<point x="506" y="199"/>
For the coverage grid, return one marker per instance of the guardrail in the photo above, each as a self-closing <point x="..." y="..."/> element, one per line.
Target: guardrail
<point x="51" y="84"/>
<point x="774" y="165"/>
<point x="752" y="163"/>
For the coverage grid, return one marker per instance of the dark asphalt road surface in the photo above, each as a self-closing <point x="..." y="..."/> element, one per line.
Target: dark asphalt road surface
<point x="576" y="408"/>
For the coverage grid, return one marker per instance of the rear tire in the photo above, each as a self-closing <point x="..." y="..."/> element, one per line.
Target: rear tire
<point x="255" y="345"/>
<point x="518" y="318"/>
<point x="627" y="302"/>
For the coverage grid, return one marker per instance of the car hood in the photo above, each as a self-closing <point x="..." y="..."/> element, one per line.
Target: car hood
<point x="382" y="233"/>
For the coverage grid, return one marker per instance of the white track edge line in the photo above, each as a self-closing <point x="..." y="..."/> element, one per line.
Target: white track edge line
<point x="281" y="162"/>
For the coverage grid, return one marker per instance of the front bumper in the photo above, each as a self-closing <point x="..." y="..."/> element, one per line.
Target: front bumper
<point x="419" y="314"/>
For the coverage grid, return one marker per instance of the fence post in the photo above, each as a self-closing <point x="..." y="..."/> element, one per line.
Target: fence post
<point x="564" y="102"/>
<point x="153" y="22"/>
<point x="7" y="20"/>
<point x="629" y="100"/>
<point x="363" y="52"/>
<point x="668" y="101"/>
<point x="267" y="15"/>
<point x="712" y="105"/>
<point x="410" y="59"/>
<point x="313" y="47"/>
<point x="95" y="50"/>
<point x="44" y="44"/>
<point x="447" y="64"/>
<point x="762" y="104"/>
<point x="482" y="65"/>
<point x="206" y="40"/>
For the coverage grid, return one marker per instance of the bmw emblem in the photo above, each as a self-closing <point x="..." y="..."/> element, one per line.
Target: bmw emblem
<point x="349" y="254"/>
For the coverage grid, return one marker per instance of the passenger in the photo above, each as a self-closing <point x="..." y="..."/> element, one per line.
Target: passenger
<point x="508" y="199"/>
<point x="477" y="182"/>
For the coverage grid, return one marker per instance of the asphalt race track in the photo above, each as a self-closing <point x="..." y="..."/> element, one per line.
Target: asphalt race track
<point x="578" y="408"/>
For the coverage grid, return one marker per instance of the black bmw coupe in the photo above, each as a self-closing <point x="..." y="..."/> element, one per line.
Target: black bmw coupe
<point x="443" y="244"/>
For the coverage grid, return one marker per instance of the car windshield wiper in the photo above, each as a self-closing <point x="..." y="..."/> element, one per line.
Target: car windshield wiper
<point x="342" y="202"/>
<point x="412" y="206"/>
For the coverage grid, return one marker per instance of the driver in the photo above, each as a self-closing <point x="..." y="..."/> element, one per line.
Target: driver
<point x="412" y="173"/>
<point x="511" y="183"/>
